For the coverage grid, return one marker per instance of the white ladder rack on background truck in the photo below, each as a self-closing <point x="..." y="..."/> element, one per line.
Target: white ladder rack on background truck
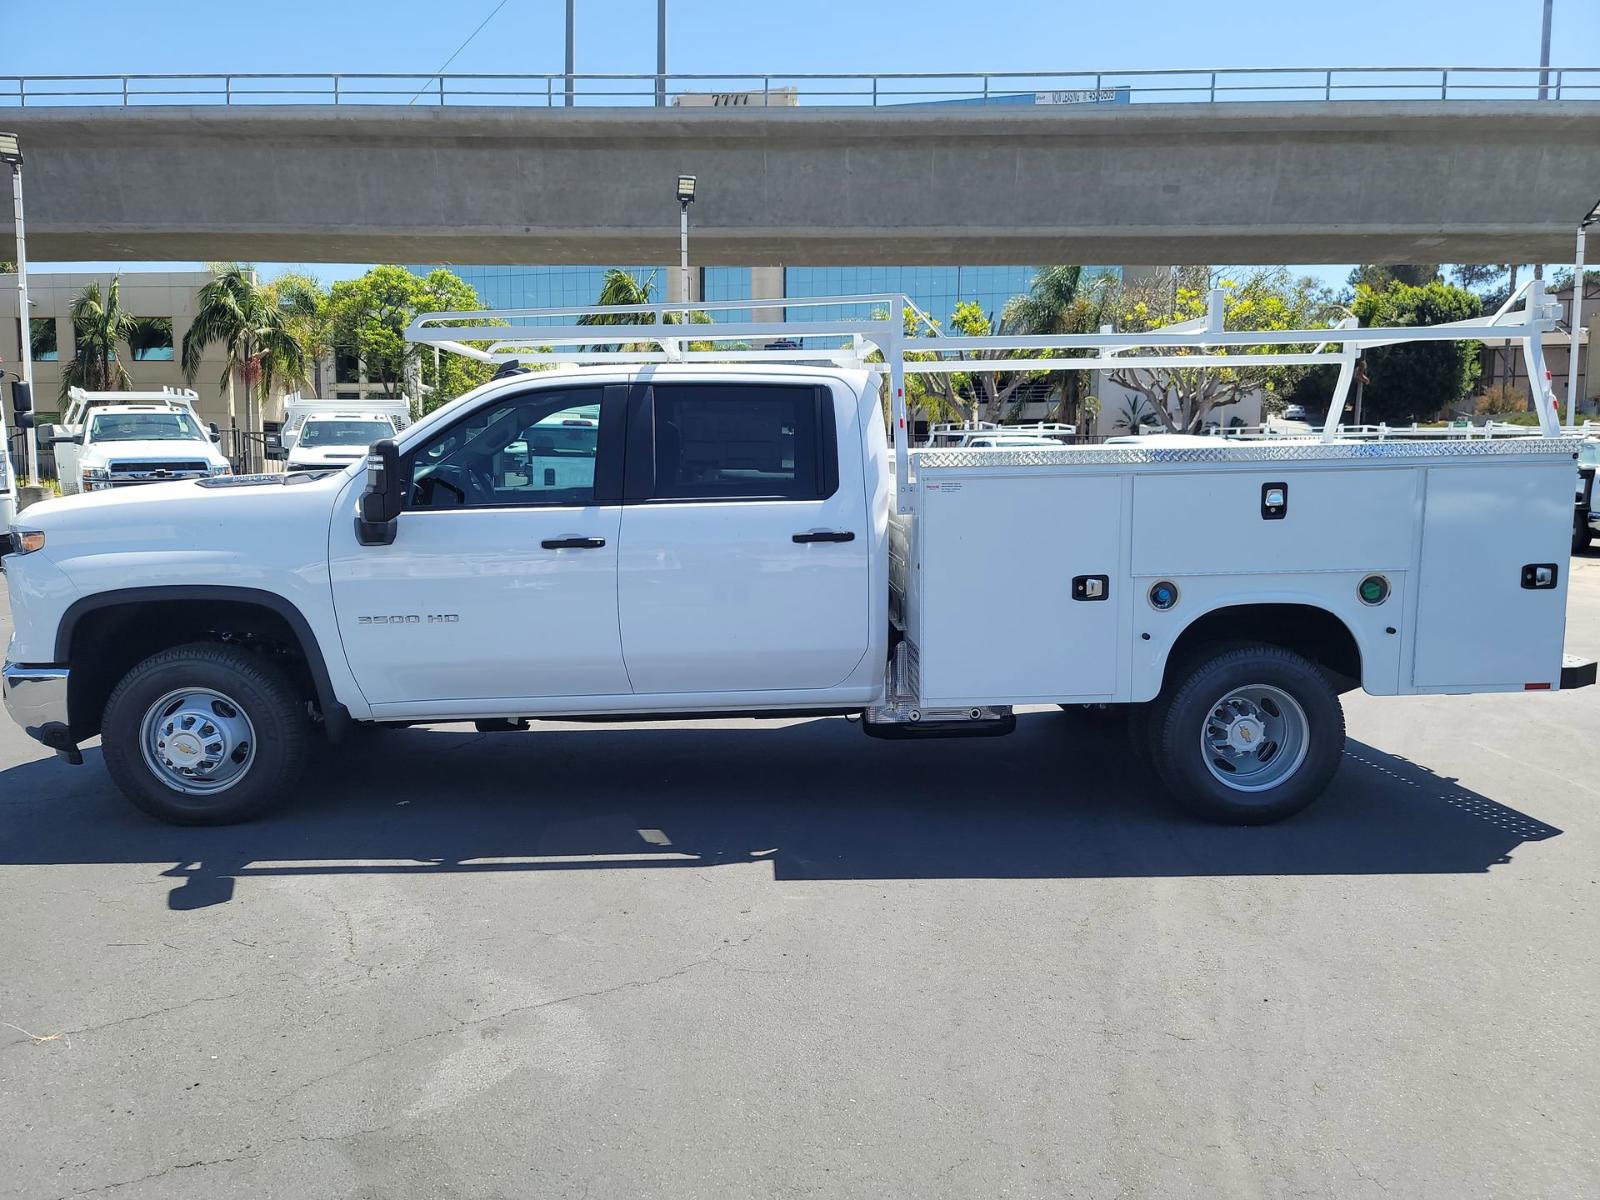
<point x="562" y="335"/>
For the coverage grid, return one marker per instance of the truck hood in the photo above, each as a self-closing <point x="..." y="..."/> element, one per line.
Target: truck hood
<point x="166" y="450"/>
<point x="231" y="515"/>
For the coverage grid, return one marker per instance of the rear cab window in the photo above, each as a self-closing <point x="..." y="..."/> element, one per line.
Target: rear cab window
<point x="717" y="441"/>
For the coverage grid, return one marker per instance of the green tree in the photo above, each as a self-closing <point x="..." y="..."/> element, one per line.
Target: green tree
<point x="1061" y="300"/>
<point x="237" y="312"/>
<point x="1182" y="398"/>
<point x="98" y="323"/>
<point x="369" y="316"/>
<point x="1380" y="275"/>
<point x="1483" y="278"/>
<point x="619" y="288"/>
<point x="303" y="301"/>
<point x="1415" y="380"/>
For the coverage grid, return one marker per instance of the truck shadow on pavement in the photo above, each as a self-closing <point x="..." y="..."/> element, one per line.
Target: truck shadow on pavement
<point x="815" y="799"/>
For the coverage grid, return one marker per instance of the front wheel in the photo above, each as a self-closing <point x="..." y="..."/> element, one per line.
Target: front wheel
<point x="1250" y="735"/>
<point x="205" y="734"/>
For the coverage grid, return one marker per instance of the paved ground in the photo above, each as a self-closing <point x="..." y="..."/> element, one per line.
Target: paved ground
<point x="730" y="960"/>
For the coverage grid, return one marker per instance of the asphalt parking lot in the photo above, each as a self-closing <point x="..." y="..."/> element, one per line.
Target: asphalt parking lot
<point x="731" y="959"/>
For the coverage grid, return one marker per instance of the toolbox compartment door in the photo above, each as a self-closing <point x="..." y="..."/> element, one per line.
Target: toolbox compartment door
<point x="1478" y="628"/>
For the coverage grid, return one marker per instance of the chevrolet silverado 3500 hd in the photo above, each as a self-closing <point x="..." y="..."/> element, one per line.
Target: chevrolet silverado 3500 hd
<point x="681" y="531"/>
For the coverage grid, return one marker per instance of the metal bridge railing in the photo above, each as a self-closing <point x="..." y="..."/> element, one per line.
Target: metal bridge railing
<point x="888" y="89"/>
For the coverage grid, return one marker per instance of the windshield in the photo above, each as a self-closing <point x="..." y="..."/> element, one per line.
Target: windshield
<point x="144" y="427"/>
<point x="344" y="433"/>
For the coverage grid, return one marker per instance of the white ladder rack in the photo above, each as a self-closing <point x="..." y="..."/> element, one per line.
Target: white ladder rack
<point x="566" y="335"/>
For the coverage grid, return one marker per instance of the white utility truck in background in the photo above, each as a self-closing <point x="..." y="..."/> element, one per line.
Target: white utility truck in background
<point x="8" y="481"/>
<point x="675" y="531"/>
<point x="320" y="435"/>
<point x="110" y="440"/>
<point x="332" y="440"/>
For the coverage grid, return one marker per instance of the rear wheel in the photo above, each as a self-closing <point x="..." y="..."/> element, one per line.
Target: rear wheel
<point x="205" y="734"/>
<point x="1249" y="735"/>
<point x="1581" y="538"/>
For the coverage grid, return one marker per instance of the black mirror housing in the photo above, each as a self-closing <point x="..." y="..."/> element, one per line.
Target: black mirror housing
<point x="384" y="496"/>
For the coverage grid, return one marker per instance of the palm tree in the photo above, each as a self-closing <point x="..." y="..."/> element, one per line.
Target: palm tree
<point x="1062" y="301"/>
<point x="304" y="305"/>
<point x="98" y="325"/>
<point x="259" y="348"/>
<point x="618" y="288"/>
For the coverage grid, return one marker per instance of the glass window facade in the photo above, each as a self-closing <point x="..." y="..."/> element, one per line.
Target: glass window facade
<point x="936" y="290"/>
<point x="545" y="287"/>
<point x="42" y="339"/>
<point x="151" y="340"/>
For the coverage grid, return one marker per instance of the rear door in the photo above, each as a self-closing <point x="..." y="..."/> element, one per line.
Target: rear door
<point x="743" y="564"/>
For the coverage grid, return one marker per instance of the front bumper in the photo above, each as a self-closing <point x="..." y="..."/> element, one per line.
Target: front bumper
<point x="36" y="699"/>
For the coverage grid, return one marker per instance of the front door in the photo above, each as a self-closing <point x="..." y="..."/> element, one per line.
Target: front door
<point x="501" y="582"/>
<point x="745" y="540"/>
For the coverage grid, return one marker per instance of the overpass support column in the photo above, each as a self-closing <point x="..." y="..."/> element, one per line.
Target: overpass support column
<point x="766" y="283"/>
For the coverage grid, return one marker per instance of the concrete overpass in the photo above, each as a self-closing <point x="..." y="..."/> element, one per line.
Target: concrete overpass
<point x="1341" y="181"/>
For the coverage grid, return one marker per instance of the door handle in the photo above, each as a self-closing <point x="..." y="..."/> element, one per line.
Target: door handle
<point x="826" y="535"/>
<point x="573" y="543"/>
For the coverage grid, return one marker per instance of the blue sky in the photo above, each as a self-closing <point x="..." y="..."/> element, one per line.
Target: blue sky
<point x="739" y="36"/>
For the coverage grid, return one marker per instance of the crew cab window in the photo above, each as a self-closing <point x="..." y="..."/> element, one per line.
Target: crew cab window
<point x="723" y="442"/>
<point x="536" y="449"/>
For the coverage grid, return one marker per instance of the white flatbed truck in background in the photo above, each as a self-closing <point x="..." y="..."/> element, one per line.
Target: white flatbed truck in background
<point x="672" y="531"/>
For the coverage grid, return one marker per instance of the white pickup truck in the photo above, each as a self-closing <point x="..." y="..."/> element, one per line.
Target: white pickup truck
<point x="321" y="435"/>
<point x="112" y="440"/>
<point x="332" y="440"/>
<point x="670" y="533"/>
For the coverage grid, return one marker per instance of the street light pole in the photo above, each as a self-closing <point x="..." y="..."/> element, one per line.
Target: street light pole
<point x="572" y="50"/>
<point x="686" y="186"/>
<point x="1577" y="316"/>
<point x="11" y="153"/>
<point x="1544" y="53"/>
<point x="661" y="53"/>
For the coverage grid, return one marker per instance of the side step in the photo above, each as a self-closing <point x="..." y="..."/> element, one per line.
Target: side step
<point x="901" y="716"/>
<point x="937" y="727"/>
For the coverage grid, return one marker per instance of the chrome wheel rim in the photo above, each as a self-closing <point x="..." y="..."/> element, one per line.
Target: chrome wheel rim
<point x="1254" y="738"/>
<point x="198" y="741"/>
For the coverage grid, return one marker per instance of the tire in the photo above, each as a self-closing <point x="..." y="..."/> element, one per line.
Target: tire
<point x="1276" y="699"/>
<point x="223" y="705"/>
<point x="1582" y="539"/>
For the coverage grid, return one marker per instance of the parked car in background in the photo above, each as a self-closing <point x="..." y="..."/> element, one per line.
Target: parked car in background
<point x="1295" y="412"/>
<point x="1002" y="441"/>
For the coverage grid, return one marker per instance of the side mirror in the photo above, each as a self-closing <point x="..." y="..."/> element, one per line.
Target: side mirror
<point x="22" y="405"/>
<point x="60" y="435"/>
<point x="216" y="434"/>
<point x="384" y="496"/>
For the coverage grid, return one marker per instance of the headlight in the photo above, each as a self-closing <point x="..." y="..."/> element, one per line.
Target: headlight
<point x="221" y="469"/>
<point x="95" y="474"/>
<point x="26" y="541"/>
